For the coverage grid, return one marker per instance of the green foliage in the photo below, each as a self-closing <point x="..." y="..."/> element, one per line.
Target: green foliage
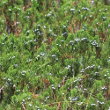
<point x="54" y="55"/>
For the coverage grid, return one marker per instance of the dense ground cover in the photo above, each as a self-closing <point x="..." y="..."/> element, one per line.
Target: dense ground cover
<point x="54" y="55"/>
